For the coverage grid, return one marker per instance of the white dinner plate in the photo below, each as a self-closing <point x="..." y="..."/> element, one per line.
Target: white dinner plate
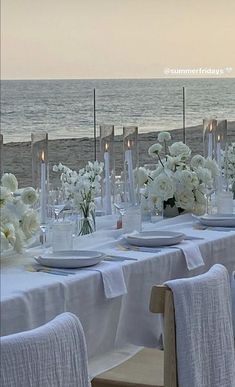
<point x="70" y="259"/>
<point x="222" y="220"/>
<point x="154" y="238"/>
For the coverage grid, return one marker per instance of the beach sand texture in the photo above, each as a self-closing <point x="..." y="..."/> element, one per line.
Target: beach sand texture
<point x="76" y="152"/>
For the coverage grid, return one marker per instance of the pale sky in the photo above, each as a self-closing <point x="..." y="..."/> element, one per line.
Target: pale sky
<point x="46" y="39"/>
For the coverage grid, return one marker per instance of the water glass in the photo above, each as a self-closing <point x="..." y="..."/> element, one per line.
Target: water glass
<point x="62" y="236"/>
<point x="224" y="202"/>
<point x="131" y="220"/>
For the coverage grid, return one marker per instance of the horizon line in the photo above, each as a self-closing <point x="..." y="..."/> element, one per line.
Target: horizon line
<point x="113" y="79"/>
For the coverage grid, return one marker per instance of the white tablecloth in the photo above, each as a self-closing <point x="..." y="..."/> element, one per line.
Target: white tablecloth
<point x="30" y="299"/>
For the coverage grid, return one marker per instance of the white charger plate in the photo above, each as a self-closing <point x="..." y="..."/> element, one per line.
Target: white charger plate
<point x="155" y="238"/>
<point x="70" y="259"/>
<point x="222" y="220"/>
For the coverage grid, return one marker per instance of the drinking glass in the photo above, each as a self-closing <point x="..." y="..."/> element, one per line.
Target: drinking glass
<point x="57" y="202"/>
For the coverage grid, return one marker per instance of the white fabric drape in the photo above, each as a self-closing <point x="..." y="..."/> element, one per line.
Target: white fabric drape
<point x="53" y="355"/>
<point x="204" y="336"/>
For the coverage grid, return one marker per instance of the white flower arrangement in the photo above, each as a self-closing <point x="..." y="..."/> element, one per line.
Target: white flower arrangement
<point x="228" y="163"/>
<point x="178" y="179"/>
<point x="81" y="187"/>
<point x="18" y="222"/>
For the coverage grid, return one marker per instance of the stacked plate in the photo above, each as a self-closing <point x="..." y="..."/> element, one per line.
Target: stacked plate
<point x="218" y="220"/>
<point x="154" y="238"/>
<point x="70" y="259"/>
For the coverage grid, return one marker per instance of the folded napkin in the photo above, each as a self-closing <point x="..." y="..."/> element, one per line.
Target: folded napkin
<point x="113" y="278"/>
<point x="192" y="254"/>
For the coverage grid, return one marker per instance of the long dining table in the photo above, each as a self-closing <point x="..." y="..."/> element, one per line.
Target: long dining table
<point x="111" y="298"/>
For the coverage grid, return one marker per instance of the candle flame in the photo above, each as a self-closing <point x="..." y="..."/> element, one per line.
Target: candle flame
<point x="106" y="147"/>
<point x="218" y="137"/>
<point x="42" y="156"/>
<point x="128" y="144"/>
<point x="211" y="128"/>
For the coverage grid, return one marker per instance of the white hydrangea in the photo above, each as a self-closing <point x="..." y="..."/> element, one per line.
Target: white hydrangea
<point x="10" y="182"/>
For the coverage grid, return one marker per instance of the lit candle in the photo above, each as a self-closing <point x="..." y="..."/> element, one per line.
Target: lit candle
<point x="128" y="160"/>
<point x="108" y="208"/>
<point x="210" y="141"/>
<point x="43" y="190"/>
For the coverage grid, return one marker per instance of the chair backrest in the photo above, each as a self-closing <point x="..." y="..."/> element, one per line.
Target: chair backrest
<point x="51" y="355"/>
<point x="198" y="318"/>
<point x="161" y="301"/>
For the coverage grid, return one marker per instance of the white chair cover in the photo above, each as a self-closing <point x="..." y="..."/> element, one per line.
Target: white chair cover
<point x="53" y="355"/>
<point x="204" y="334"/>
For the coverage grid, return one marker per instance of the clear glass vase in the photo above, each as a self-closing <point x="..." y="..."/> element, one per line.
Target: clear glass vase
<point x="87" y="223"/>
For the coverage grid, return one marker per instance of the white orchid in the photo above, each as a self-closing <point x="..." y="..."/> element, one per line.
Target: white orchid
<point x="81" y="187"/>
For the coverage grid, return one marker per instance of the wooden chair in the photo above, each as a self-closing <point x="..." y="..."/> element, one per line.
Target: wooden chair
<point x="150" y="367"/>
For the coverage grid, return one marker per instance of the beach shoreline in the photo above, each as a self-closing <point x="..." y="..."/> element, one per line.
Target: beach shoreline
<point x="76" y="152"/>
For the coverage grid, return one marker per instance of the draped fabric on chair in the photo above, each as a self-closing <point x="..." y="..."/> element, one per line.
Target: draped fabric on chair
<point x="204" y="334"/>
<point x="53" y="355"/>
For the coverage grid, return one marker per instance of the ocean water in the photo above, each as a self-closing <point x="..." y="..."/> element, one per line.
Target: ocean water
<point x="64" y="108"/>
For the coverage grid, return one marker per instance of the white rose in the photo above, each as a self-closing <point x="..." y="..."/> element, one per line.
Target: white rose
<point x="5" y="196"/>
<point x="180" y="149"/>
<point x="200" y="197"/>
<point x="29" y="223"/>
<point x="9" y="181"/>
<point x="29" y="196"/>
<point x="185" y="200"/>
<point x="163" y="187"/>
<point x="204" y="174"/>
<point x="141" y="176"/>
<point x="173" y="162"/>
<point x="9" y="231"/>
<point x="212" y="166"/>
<point x="4" y="244"/>
<point x="164" y="136"/>
<point x="199" y="209"/>
<point x="198" y="161"/>
<point x="184" y="180"/>
<point x="154" y="150"/>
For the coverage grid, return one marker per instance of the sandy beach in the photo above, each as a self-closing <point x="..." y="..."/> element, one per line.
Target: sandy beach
<point x="76" y="152"/>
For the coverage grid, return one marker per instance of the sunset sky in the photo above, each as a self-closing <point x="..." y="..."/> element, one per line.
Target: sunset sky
<point x="46" y="39"/>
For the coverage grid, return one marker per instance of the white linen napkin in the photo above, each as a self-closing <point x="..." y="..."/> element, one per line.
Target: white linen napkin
<point x="192" y="254"/>
<point x="113" y="278"/>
